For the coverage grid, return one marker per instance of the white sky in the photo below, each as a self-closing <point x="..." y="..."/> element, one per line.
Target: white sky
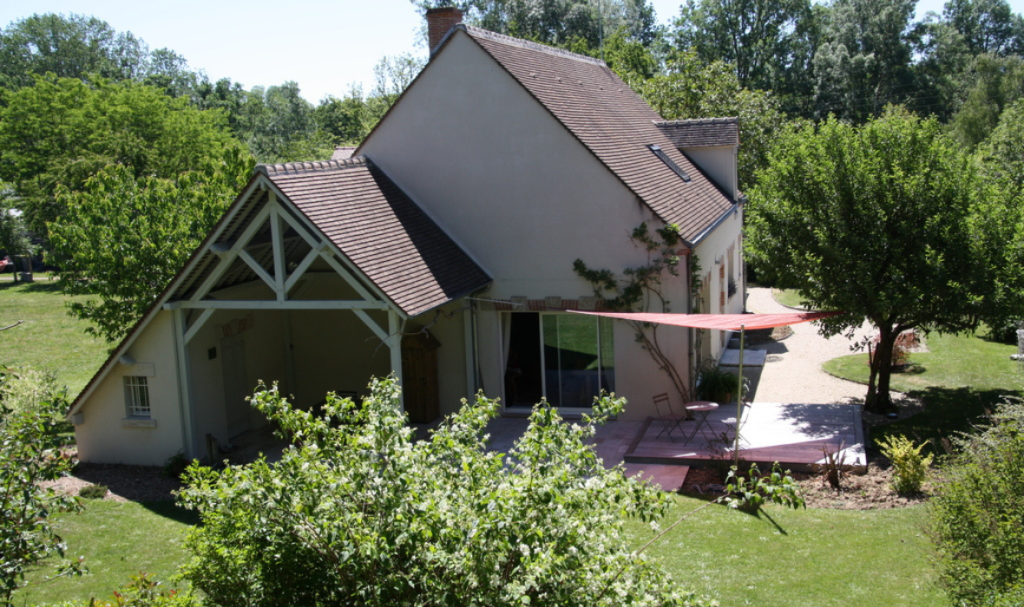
<point x="324" y="45"/>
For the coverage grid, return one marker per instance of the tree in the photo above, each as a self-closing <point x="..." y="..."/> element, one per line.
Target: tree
<point x="887" y="222"/>
<point x="1001" y="156"/>
<point x="61" y="131"/>
<point x="29" y="454"/>
<point x="577" y="25"/>
<point x="75" y="46"/>
<point x="986" y="26"/>
<point x="122" y="238"/>
<point x="358" y="512"/>
<point x="995" y="84"/>
<point x="756" y="38"/>
<point x="13" y="240"/>
<point x="863" y="61"/>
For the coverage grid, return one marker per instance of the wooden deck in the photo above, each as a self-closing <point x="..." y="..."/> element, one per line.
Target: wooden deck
<point x="791" y="434"/>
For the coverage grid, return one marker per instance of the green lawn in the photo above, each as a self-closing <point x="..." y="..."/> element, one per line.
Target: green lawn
<point x="48" y="339"/>
<point x="118" y="540"/>
<point x="958" y="380"/>
<point x="780" y="558"/>
<point x="788" y="558"/>
<point x="787" y="297"/>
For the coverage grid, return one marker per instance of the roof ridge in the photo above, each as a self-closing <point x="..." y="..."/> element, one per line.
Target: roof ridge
<point x="527" y="44"/>
<point x="688" y="121"/>
<point x="298" y="168"/>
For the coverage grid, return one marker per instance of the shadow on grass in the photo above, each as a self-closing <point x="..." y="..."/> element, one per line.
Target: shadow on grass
<point x="169" y="509"/>
<point x="46" y="286"/>
<point x="946" y="412"/>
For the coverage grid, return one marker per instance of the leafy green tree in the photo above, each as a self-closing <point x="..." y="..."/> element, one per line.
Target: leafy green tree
<point x="863" y="61"/>
<point x="996" y="83"/>
<point x="74" y="46"/>
<point x="1002" y="154"/>
<point x="13" y="240"/>
<point x="123" y="237"/>
<point x="889" y="223"/>
<point x="29" y="454"/>
<point x="343" y="119"/>
<point x="578" y="25"/>
<point x="358" y="512"/>
<point x="61" y="131"/>
<point x="986" y="26"/>
<point x="756" y="37"/>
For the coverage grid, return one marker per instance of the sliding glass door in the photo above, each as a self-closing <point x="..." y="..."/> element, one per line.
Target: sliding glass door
<point x="566" y="358"/>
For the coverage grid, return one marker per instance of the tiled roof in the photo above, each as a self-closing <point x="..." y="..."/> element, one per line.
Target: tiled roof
<point x="381" y="230"/>
<point x="701" y="132"/>
<point x="614" y="123"/>
<point x="342" y="152"/>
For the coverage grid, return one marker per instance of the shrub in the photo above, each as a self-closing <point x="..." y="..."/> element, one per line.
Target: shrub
<point x="909" y="465"/>
<point x="29" y="453"/>
<point x="93" y="492"/>
<point x="24" y="389"/>
<point x="753" y="491"/>
<point x="357" y="512"/>
<point x="977" y="512"/>
<point x="905" y="343"/>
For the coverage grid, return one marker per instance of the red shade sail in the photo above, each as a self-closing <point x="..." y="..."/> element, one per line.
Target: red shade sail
<point x="724" y="322"/>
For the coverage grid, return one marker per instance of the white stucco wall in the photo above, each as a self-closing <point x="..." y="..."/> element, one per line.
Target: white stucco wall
<point x="713" y="254"/>
<point x="103" y="436"/>
<point x="720" y="164"/>
<point x="522" y="195"/>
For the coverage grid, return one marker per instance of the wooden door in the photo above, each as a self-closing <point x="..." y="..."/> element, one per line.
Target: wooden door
<point x="419" y="377"/>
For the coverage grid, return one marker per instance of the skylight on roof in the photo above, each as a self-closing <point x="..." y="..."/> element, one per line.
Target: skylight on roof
<point x="660" y="153"/>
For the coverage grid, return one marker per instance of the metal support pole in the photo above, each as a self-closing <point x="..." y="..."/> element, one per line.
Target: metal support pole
<point x="739" y="398"/>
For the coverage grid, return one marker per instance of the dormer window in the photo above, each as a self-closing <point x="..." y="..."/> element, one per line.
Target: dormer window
<point x="660" y="153"/>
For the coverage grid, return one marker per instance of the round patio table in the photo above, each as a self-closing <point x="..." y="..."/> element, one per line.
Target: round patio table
<point x="700" y="410"/>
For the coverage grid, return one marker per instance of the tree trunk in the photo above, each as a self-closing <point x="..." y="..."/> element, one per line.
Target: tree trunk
<point x="880" y="401"/>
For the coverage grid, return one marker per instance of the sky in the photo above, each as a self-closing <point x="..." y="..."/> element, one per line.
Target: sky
<point x="325" y="46"/>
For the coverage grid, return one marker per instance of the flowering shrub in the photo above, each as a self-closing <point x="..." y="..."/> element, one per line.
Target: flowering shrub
<point x="357" y="512"/>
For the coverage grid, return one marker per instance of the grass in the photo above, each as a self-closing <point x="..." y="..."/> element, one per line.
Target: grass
<point x="778" y="558"/>
<point x="118" y="540"/>
<point x="788" y="558"/>
<point x="47" y="339"/>
<point x="787" y="297"/>
<point x="959" y="379"/>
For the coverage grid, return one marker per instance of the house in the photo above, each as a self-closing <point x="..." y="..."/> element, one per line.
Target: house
<point x="441" y="249"/>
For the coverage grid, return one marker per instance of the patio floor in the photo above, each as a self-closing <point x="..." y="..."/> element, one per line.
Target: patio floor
<point x="792" y="434"/>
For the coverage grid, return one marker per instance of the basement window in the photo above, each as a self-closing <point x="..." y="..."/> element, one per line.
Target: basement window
<point x="660" y="153"/>
<point x="136" y="396"/>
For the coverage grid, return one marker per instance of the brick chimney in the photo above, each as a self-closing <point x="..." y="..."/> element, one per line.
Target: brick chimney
<point x="439" y="21"/>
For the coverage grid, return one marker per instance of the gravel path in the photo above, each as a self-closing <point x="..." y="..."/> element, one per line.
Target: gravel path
<point x="792" y="372"/>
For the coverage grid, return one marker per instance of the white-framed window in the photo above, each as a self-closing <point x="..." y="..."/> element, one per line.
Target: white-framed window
<point x="136" y="396"/>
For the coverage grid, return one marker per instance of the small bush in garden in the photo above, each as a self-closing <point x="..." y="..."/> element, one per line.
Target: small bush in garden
<point x="359" y="513"/>
<point x="753" y="491"/>
<point x="977" y="514"/>
<point x="93" y="492"/>
<point x="175" y="465"/>
<point x="909" y="465"/>
<point x="905" y="343"/>
<point x="144" y="591"/>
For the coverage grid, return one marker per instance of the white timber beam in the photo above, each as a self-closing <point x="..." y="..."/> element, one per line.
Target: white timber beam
<point x="276" y="237"/>
<point x="258" y="269"/>
<point x="184" y="384"/>
<point x="229" y="255"/>
<point x="271" y="304"/>
<point x="198" y="324"/>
